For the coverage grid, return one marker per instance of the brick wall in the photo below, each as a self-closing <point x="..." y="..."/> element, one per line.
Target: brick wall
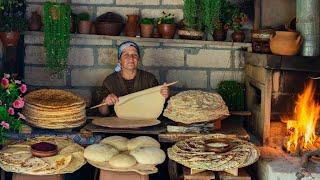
<point x="195" y="64"/>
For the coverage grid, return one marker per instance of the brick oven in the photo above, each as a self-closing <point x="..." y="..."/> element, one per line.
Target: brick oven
<point x="273" y="84"/>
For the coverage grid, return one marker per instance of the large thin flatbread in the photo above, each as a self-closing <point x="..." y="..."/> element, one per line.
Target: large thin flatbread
<point x="145" y="104"/>
<point x="115" y="122"/>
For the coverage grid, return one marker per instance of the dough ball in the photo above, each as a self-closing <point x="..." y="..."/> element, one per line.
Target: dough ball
<point x="100" y="152"/>
<point x="118" y="142"/>
<point x="148" y="155"/>
<point x="142" y="141"/>
<point x="122" y="161"/>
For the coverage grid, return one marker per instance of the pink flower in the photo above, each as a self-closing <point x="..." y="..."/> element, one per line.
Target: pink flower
<point x="23" y="88"/>
<point x="17" y="81"/>
<point x="19" y="103"/>
<point x="5" y="83"/>
<point x="7" y="76"/>
<point x="0" y="102"/>
<point x="11" y="111"/>
<point x="5" y="125"/>
<point x="21" y="116"/>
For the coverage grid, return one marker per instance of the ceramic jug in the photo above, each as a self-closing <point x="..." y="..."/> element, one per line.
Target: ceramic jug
<point x="285" y="43"/>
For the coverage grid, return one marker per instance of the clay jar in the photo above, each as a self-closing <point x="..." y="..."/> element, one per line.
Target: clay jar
<point x="238" y="36"/>
<point x="132" y="27"/>
<point x="285" y="43"/>
<point x="167" y="31"/>
<point x="84" y="27"/>
<point x="35" y="21"/>
<point x="9" y="38"/>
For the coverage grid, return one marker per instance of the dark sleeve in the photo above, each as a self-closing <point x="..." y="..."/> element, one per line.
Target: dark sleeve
<point x="154" y="81"/>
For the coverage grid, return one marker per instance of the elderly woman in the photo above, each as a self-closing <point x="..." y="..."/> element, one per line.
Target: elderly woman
<point x="128" y="78"/>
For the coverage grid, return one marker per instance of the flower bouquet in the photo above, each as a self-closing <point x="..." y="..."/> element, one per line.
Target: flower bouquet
<point x="11" y="103"/>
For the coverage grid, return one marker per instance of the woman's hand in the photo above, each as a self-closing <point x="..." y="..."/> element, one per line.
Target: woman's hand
<point x="111" y="99"/>
<point x="164" y="91"/>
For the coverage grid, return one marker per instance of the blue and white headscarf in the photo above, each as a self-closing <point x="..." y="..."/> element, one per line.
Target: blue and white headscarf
<point x="123" y="46"/>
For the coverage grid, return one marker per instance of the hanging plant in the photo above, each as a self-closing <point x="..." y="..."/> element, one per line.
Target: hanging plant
<point x="56" y="36"/>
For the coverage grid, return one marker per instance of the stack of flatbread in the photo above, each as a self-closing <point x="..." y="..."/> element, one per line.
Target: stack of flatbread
<point x="117" y="153"/>
<point x="54" y="109"/>
<point x="18" y="158"/>
<point x="194" y="154"/>
<point x="195" y="106"/>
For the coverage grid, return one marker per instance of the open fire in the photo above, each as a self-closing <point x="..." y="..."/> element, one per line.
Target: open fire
<point x="302" y="126"/>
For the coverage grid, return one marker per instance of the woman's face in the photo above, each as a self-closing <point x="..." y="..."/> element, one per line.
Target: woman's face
<point x="129" y="59"/>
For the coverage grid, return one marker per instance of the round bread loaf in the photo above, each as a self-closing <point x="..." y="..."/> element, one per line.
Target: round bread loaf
<point x="148" y="155"/>
<point x="142" y="141"/>
<point x="118" y="142"/>
<point x="122" y="161"/>
<point x="100" y="152"/>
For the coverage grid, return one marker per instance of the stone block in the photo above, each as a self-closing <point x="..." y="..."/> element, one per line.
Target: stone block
<point x="210" y="59"/>
<point x="124" y="11"/>
<point x="169" y="44"/>
<point x="257" y="73"/>
<point x="107" y="56"/>
<point x="84" y="93"/>
<point x="34" y="38"/>
<point x="138" y="2"/>
<point x="188" y="78"/>
<point x="89" y="76"/>
<point x="238" y="59"/>
<point x="34" y="55"/>
<point x="217" y="76"/>
<point x="37" y="76"/>
<point x="155" y="72"/>
<point x="155" y="13"/>
<point x="81" y="39"/>
<point x="81" y="56"/>
<point x="163" y="57"/>
<point x="100" y="2"/>
<point x="142" y="43"/>
<point x="172" y="2"/>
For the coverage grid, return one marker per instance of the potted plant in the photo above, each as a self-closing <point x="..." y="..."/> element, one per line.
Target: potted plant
<point x="166" y="25"/>
<point x="12" y="21"/>
<point x="56" y="36"/>
<point x="146" y="27"/>
<point x="211" y="13"/>
<point x="11" y="104"/>
<point x="235" y="20"/>
<point x="191" y="24"/>
<point x="84" y="24"/>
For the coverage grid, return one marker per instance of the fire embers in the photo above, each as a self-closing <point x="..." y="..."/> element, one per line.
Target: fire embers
<point x="302" y="126"/>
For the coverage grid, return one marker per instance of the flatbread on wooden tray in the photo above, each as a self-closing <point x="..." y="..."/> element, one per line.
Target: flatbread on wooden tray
<point x="69" y="159"/>
<point x="193" y="154"/>
<point x="195" y="106"/>
<point x="115" y="122"/>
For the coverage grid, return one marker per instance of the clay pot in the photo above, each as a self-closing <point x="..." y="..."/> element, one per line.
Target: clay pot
<point x="285" y="43"/>
<point x="146" y="30"/>
<point x="35" y="21"/>
<point x="93" y="29"/>
<point x="109" y="28"/>
<point x="131" y="28"/>
<point x="167" y="31"/>
<point x="238" y="36"/>
<point x="219" y="35"/>
<point x="9" y="38"/>
<point x="84" y="27"/>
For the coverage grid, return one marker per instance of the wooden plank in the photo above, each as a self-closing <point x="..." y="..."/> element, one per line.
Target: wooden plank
<point x="242" y="175"/>
<point x="240" y="113"/>
<point x="192" y="174"/>
<point x="257" y="14"/>
<point x="233" y="171"/>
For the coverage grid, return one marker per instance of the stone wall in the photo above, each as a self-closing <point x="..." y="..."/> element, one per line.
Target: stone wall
<point x="195" y="64"/>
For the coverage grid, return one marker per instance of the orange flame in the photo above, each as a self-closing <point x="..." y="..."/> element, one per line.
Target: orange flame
<point x="306" y="114"/>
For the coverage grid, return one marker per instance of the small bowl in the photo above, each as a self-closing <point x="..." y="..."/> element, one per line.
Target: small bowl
<point x="218" y="145"/>
<point x="44" y="149"/>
